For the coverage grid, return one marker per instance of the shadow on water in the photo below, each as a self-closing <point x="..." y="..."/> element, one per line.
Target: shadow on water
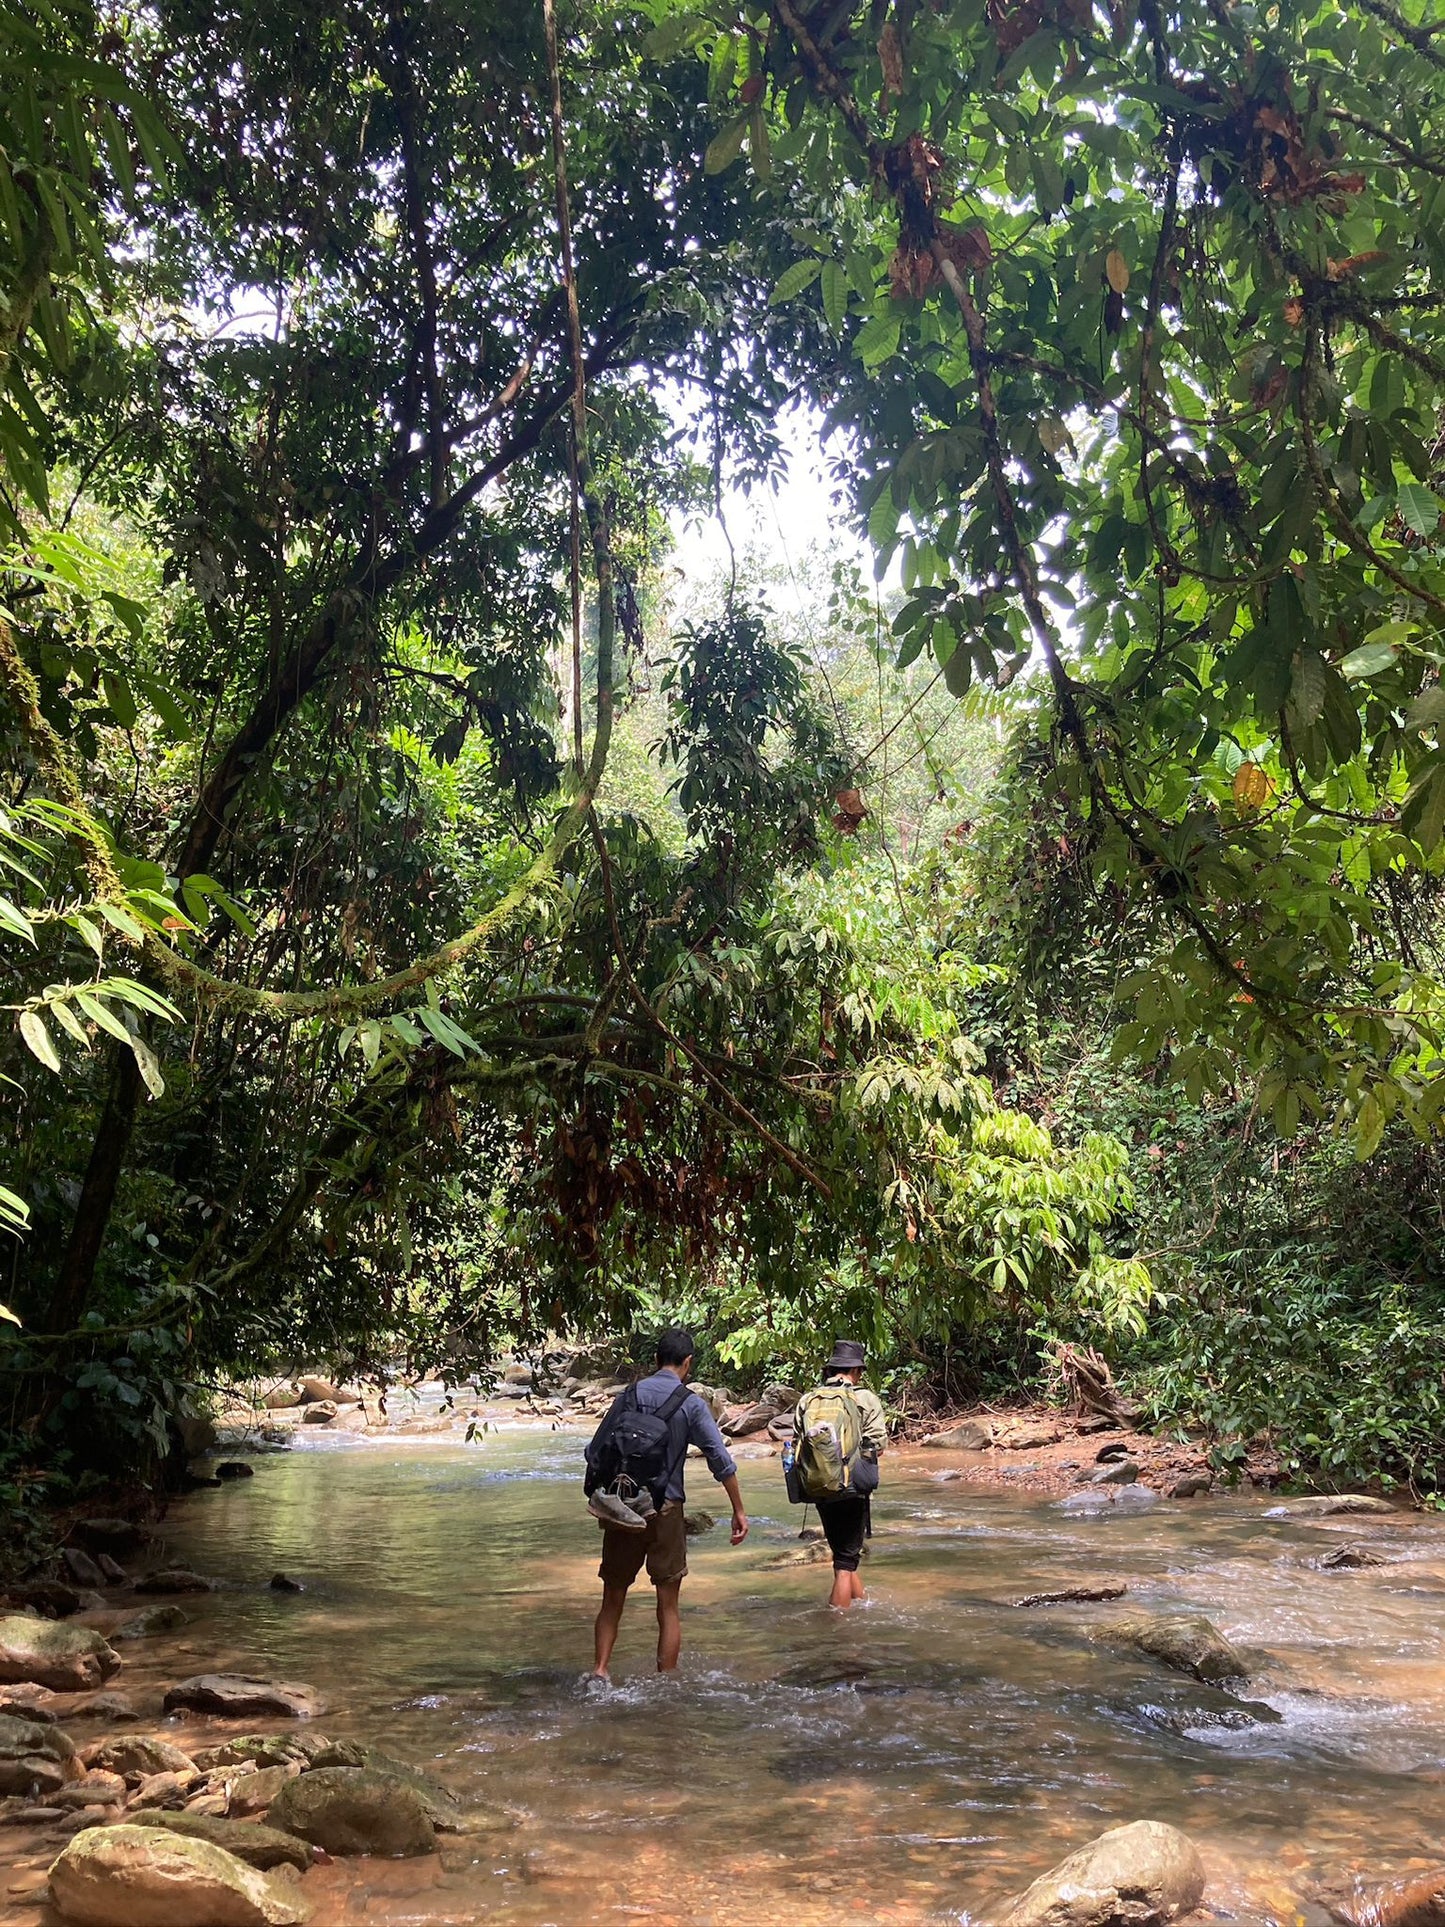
<point x="910" y="1762"/>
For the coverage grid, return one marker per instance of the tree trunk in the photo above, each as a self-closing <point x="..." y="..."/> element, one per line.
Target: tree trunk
<point x="70" y="1293"/>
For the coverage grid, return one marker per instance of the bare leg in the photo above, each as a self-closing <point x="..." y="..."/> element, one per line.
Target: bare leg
<point x="604" y="1633"/>
<point x="857" y="1578"/>
<point x="669" y="1626"/>
<point x="843" y="1595"/>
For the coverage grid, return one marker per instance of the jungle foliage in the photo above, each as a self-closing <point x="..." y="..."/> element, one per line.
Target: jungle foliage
<point x="351" y="1006"/>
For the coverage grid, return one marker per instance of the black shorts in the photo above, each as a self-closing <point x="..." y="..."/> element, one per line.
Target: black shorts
<point x="845" y="1525"/>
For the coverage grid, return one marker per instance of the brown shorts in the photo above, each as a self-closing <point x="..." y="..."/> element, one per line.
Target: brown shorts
<point x="663" y="1547"/>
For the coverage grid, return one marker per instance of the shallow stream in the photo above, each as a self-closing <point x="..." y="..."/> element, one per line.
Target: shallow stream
<point x="912" y="1761"/>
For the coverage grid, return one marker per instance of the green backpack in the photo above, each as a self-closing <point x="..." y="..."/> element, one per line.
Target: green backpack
<point x="828" y="1435"/>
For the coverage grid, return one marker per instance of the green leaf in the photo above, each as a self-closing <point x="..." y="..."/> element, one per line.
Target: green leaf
<point x="1370" y="659"/>
<point x="100" y="1013"/>
<point x="148" y="1065"/>
<point x="1419" y="508"/>
<point x="68" y="1021"/>
<point x="792" y="282"/>
<point x="167" y="706"/>
<point x="122" y="920"/>
<point x="877" y="339"/>
<point x="835" y="294"/>
<point x="120" y="697"/>
<point x="724" y="148"/>
<point x="15" y="921"/>
<point x="1369" y="1126"/>
<point x="1428" y="709"/>
<point x="32" y="1029"/>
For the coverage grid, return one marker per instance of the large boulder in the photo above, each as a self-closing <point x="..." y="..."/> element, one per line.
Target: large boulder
<point x="442" y="1806"/>
<point x="115" y="1536"/>
<point x="136" y="1758"/>
<point x="1136" y="1876"/>
<point x="236" y="1696"/>
<point x="197" y="1434"/>
<point x="68" y="1659"/>
<point x="80" y="1568"/>
<point x="34" y="1758"/>
<point x="265" y="1749"/>
<point x="174" y="1579"/>
<point x="1329" y="1505"/>
<point x="970" y="1435"/>
<point x="1027" y="1434"/>
<point x="1190" y="1644"/>
<point x="148" y="1876"/>
<point x="1116" y="1472"/>
<point x="319" y="1411"/>
<point x="250" y="1793"/>
<point x="714" y="1397"/>
<point x="260" y="1847"/>
<point x="1415" y="1900"/>
<point x="92" y="1790"/>
<point x="51" y="1598"/>
<point x="352" y="1810"/>
<point x="1109" y="1501"/>
<point x="315" y="1391"/>
<point x="281" y="1398"/>
<point x="155" y="1619"/>
<point x="757" y="1417"/>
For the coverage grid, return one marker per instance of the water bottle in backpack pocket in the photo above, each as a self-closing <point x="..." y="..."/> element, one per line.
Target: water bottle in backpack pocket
<point x="792" y="1478"/>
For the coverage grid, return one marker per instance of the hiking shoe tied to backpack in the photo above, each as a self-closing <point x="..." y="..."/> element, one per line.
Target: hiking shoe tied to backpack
<point x="614" y="1511"/>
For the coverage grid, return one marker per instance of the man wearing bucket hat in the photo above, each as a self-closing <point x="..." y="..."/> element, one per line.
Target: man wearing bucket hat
<point x="839" y="1430"/>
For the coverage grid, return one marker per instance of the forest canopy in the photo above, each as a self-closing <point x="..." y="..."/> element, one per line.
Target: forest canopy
<point x="419" y="929"/>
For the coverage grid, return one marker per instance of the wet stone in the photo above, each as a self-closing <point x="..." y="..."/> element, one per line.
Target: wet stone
<point x="351" y="1810"/>
<point x="51" y="1598"/>
<point x="1330" y="1505"/>
<point x="35" y="1759"/>
<point x="1142" y="1875"/>
<point x="259" y="1846"/>
<point x="1188" y="1643"/>
<point x="136" y="1757"/>
<point x="154" y="1620"/>
<point x="174" y="1579"/>
<point x="129" y="1874"/>
<point x="80" y="1568"/>
<point x="238" y="1696"/>
<point x="1350" y="1558"/>
<point x="68" y="1659"/>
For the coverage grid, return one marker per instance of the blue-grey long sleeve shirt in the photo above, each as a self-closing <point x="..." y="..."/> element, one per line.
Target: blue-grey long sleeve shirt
<point x="692" y="1424"/>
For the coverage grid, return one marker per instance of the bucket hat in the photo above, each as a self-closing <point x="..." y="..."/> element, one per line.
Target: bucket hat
<point x="847" y="1356"/>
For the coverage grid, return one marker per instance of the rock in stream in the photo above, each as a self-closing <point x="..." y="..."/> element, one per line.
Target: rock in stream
<point x="68" y="1659"/>
<point x="148" y="1876"/>
<point x="1142" y="1875"/>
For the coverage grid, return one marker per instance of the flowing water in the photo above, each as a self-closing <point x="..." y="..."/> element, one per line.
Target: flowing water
<point x="912" y="1761"/>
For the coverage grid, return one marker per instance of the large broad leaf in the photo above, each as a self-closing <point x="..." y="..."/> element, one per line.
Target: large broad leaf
<point x="877" y="339"/>
<point x="37" y="1037"/>
<point x="792" y="282"/>
<point x="724" y="148"/>
<point x="1419" y="508"/>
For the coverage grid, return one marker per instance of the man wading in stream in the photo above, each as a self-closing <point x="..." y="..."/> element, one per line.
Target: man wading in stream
<point x="635" y="1488"/>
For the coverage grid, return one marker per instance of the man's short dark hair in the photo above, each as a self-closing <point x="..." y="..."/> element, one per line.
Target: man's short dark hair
<point x="675" y="1346"/>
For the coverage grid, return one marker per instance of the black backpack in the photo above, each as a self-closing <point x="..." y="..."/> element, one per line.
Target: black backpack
<point x="634" y="1445"/>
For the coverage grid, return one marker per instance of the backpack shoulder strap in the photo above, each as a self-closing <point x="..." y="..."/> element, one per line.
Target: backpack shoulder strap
<point x="674" y="1402"/>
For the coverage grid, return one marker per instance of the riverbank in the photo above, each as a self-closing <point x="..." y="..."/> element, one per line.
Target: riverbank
<point x="1021" y="1446"/>
<point x="917" y="1762"/>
